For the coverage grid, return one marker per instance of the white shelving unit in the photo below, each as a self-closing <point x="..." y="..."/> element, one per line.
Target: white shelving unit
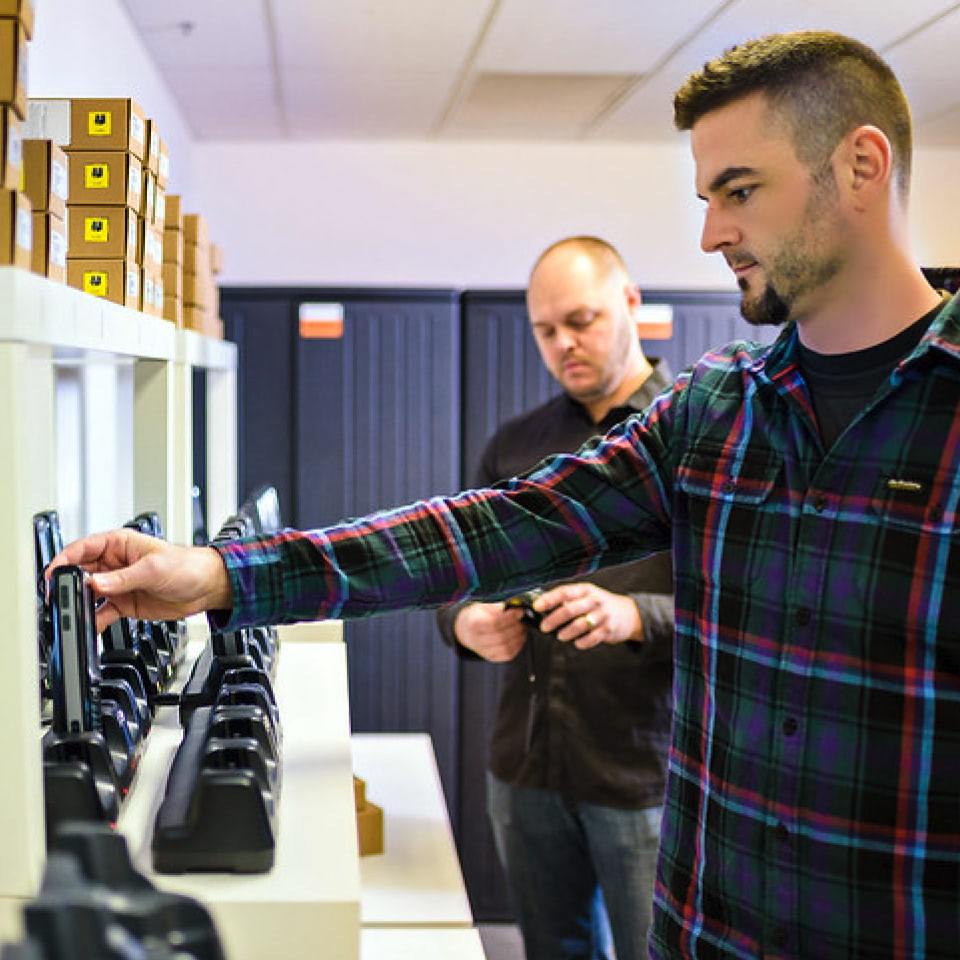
<point x="100" y="395"/>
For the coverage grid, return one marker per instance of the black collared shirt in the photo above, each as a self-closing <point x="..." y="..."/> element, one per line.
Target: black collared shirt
<point x="593" y="725"/>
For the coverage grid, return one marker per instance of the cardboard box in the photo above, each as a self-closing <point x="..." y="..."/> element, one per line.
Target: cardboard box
<point x="102" y="233"/>
<point x="108" y="124"/>
<point x="21" y="10"/>
<point x="198" y="290"/>
<point x="16" y="229"/>
<point x="196" y="259"/>
<point x="148" y="196"/>
<point x="173" y="246"/>
<point x="172" y="280"/>
<point x="370" y="829"/>
<point x="172" y="309"/>
<point x="216" y="259"/>
<point x="151" y="247"/>
<point x="49" y="246"/>
<point x="46" y="180"/>
<point x="11" y="150"/>
<point x="173" y="218"/>
<point x="160" y="208"/>
<point x="195" y="230"/>
<point x="151" y="159"/>
<point x="163" y="171"/>
<point x="114" y="280"/>
<point x="105" y="178"/>
<point x="13" y="66"/>
<point x="48" y="119"/>
<point x="151" y="292"/>
<point x="194" y="318"/>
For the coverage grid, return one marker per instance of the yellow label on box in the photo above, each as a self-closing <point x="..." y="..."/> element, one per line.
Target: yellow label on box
<point x="95" y="282"/>
<point x="99" y="123"/>
<point x="96" y="176"/>
<point x="96" y="229"/>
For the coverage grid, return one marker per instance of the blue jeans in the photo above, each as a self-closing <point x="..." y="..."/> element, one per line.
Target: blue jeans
<point x="570" y="866"/>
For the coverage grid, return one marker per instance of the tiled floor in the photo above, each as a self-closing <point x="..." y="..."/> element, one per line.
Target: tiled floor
<point x="501" y="941"/>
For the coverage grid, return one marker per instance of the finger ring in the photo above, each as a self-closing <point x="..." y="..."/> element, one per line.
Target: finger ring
<point x="591" y="622"/>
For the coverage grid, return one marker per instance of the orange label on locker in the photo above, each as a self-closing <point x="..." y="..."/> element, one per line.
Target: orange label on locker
<point x="321" y="321"/>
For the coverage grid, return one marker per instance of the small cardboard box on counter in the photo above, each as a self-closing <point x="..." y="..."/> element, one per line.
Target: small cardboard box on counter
<point x="108" y="124"/>
<point x="103" y="233"/>
<point x="173" y="215"/>
<point x="105" y="177"/>
<point x="151" y="292"/>
<point x="11" y="149"/>
<point x="49" y="246"/>
<point x="172" y="280"/>
<point x="151" y="247"/>
<point x="16" y="229"/>
<point x="45" y="176"/>
<point x="21" y="10"/>
<point x="13" y="66"/>
<point x="114" y="280"/>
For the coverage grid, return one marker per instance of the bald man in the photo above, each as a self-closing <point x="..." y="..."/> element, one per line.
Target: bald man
<point x="579" y="748"/>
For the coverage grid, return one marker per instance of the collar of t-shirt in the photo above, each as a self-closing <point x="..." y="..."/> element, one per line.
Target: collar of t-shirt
<point x="842" y="384"/>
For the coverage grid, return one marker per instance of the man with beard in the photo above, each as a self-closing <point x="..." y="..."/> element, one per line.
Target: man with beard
<point x="578" y="754"/>
<point x="810" y="492"/>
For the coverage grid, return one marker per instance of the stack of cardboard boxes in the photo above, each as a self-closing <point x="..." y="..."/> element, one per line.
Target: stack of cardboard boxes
<point x="201" y="301"/>
<point x="45" y="181"/>
<point x="16" y="224"/>
<point x="106" y="143"/>
<point x="173" y="261"/>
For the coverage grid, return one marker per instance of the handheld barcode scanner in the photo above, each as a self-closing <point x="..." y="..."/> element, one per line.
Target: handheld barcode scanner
<point x="74" y="665"/>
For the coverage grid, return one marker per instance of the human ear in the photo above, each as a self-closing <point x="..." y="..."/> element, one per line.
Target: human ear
<point x="865" y="161"/>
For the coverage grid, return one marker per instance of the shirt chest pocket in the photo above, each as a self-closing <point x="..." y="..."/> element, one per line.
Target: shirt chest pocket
<point x="730" y="506"/>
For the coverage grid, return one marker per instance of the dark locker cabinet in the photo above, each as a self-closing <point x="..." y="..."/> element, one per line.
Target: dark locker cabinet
<point x="345" y="425"/>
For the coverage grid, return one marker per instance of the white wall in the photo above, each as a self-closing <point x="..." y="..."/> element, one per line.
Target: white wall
<point x="89" y="48"/>
<point x="476" y="214"/>
<point x="456" y="214"/>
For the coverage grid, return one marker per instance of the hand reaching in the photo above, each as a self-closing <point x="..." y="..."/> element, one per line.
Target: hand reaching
<point x="147" y="578"/>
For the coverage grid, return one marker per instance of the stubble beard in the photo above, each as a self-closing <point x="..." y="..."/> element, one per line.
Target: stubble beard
<point x="806" y="261"/>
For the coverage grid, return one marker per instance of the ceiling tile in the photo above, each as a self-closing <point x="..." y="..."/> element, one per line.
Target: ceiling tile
<point x="648" y="113"/>
<point x="381" y="34"/>
<point x="571" y="36"/>
<point x="525" y="105"/>
<point x="221" y="32"/>
<point x="356" y="103"/>
<point x="228" y="104"/>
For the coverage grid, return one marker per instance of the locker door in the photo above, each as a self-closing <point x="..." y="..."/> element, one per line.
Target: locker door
<point x="378" y="425"/>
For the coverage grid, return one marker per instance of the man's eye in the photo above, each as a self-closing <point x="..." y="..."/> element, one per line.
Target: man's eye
<point x="740" y="194"/>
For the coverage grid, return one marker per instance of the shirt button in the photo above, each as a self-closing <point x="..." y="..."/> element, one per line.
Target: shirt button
<point x="781" y="833"/>
<point x="820" y="503"/>
<point x="803" y="616"/>
<point x="728" y="486"/>
<point x="790" y="726"/>
<point x="936" y="513"/>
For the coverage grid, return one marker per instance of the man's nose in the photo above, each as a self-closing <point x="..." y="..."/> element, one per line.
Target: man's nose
<point x="719" y="230"/>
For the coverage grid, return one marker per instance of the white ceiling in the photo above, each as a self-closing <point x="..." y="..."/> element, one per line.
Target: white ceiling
<point x="519" y="69"/>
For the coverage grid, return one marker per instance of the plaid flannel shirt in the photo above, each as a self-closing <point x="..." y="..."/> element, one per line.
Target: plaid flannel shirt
<point x="813" y="803"/>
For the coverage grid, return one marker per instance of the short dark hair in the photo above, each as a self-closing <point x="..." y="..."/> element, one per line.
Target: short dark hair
<point x="605" y="256"/>
<point x="823" y="85"/>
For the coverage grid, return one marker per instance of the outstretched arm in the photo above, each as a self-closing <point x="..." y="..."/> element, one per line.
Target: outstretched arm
<point x="147" y="578"/>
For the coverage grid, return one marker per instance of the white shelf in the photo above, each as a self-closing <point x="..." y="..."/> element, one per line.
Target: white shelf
<point x="136" y="454"/>
<point x="308" y="905"/>
<point x="420" y="944"/>
<point x="416" y="881"/>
